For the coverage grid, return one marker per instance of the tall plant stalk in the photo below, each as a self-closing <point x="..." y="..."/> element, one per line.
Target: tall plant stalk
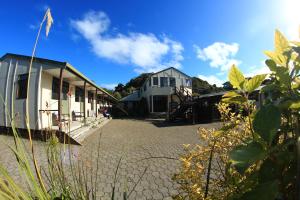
<point x="49" y="19"/>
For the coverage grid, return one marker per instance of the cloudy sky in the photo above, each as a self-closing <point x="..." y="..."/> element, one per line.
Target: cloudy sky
<point x="112" y="41"/>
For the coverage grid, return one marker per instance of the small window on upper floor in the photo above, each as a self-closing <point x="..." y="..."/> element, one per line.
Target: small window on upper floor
<point x="155" y="81"/>
<point x="21" y="90"/>
<point x="172" y="81"/>
<point x="163" y="81"/>
<point x="188" y="82"/>
<point x="145" y="87"/>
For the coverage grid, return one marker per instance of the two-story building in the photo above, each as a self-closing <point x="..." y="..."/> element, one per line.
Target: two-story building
<point x="159" y="90"/>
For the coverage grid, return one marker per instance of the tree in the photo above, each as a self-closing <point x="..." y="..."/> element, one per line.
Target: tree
<point x="117" y="95"/>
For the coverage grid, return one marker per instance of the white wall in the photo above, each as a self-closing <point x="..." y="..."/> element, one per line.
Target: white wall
<point x="10" y="107"/>
<point x="153" y="90"/>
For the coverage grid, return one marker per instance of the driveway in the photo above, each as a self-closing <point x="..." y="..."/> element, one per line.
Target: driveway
<point x="147" y="151"/>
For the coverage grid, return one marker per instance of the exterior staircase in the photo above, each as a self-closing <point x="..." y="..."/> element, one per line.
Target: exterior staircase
<point x="184" y="108"/>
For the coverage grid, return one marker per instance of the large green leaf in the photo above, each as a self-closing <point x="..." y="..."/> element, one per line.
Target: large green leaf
<point x="271" y="64"/>
<point x="266" y="122"/>
<point x="236" y="78"/>
<point x="281" y="43"/>
<point x="243" y="156"/>
<point x="279" y="59"/>
<point x="263" y="191"/>
<point x="254" y="82"/>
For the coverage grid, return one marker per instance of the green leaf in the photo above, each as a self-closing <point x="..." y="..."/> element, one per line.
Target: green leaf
<point x="266" y="122"/>
<point x="236" y="78"/>
<point x="281" y="43"/>
<point x="263" y="191"/>
<point x="279" y="59"/>
<point x="254" y="82"/>
<point x="235" y="99"/>
<point x="291" y="104"/>
<point x="244" y="156"/>
<point x="231" y="94"/>
<point x="271" y="64"/>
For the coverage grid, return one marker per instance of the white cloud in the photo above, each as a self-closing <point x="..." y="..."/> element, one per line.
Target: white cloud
<point x="220" y="55"/>
<point x="109" y="86"/>
<point x="145" y="51"/>
<point x="255" y="70"/>
<point x="211" y="79"/>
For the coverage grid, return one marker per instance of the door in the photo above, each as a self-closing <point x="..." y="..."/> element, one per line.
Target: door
<point x="160" y="103"/>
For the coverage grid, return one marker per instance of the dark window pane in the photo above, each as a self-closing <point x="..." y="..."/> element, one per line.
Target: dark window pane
<point x="22" y="86"/>
<point x="90" y="97"/>
<point x="55" y="89"/>
<point x="163" y="81"/>
<point x="172" y="81"/>
<point x="79" y="94"/>
<point x="145" y="87"/>
<point x="155" y="81"/>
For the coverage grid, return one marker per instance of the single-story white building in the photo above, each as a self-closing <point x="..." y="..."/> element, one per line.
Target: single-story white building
<point x="58" y="94"/>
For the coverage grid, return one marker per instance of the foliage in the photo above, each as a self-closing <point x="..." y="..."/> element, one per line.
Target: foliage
<point x="203" y="87"/>
<point x="132" y="85"/>
<point x="254" y="154"/>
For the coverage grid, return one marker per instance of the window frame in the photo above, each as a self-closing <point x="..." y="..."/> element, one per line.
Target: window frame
<point x="162" y="81"/>
<point x="55" y="89"/>
<point x="156" y="78"/>
<point x="22" y="85"/>
<point x="79" y="94"/>
<point x="172" y="78"/>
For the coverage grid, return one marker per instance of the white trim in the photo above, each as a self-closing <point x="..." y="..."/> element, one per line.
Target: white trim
<point x="38" y="98"/>
<point x="5" y="98"/>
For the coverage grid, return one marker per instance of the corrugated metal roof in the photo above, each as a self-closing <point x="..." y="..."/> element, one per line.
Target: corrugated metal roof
<point x="60" y="64"/>
<point x="132" y="97"/>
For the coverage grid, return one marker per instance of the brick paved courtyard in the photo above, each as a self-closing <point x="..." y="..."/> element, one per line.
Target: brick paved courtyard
<point x="140" y="145"/>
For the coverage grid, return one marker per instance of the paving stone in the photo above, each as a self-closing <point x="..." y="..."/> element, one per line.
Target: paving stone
<point x="132" y="140"/>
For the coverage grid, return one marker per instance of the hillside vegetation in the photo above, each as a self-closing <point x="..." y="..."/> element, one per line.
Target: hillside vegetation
<point x="199" y="86"/>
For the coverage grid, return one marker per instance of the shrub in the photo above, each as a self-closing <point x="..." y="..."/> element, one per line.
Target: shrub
<point x="254" y="155"/>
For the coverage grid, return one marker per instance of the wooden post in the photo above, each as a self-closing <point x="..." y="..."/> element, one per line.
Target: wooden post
<point x="194" y="113"/>
<point x="96" y="98"/>
<point x="59" y="97"/>
<point x="84" y="101"/>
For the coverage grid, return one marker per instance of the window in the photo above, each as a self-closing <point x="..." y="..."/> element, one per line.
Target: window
<point x="145" y="87"/>
<point x="22" y="86"/>
<point x="90" y="97"/>
<point x="150" y="82"/>
<point x="172" y="81"/>
<point x="155" y="81"/>
<point x="99" y="98"/>
<point x="163" y="81"/>
<point x="79" y="94"/>
<point x="55" y="89"/>
<point x="188" y="82"/>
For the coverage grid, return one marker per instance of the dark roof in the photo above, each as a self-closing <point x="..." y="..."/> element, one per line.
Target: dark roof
<point x="42" y="60"/>
<point x="131" y="97"/>
<point x="212" y="94"/>
<point x="170" y="68"/>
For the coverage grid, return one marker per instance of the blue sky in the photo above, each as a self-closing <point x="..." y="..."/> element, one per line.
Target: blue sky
<point x="112" y="41"/>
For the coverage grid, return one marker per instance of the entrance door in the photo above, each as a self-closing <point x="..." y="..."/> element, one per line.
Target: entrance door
<point x="160" y="103"/>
